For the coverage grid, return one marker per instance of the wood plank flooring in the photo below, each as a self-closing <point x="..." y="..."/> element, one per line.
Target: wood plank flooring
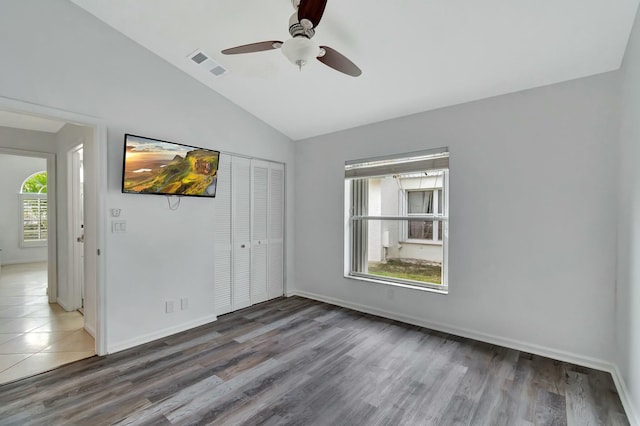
<point x="296" y="361"/>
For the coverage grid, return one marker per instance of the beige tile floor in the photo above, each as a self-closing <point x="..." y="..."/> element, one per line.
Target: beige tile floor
<point x="36" y="336"/>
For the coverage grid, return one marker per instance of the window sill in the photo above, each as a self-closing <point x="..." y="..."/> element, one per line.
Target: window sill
<point x="371" y="279"/>
<point x="32" y="244"/>
<point x="423" y="242"/>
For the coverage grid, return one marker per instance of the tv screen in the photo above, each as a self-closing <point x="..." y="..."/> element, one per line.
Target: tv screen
<point x="153" y="166"/>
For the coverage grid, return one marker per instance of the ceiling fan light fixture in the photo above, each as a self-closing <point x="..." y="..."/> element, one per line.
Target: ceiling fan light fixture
<point x="300" y="50"/>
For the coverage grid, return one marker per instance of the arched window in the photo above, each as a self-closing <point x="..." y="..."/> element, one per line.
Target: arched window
<point x="35" y="223"/>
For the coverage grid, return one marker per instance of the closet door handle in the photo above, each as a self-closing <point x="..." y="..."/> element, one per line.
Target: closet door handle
<point x="242" y="246"/>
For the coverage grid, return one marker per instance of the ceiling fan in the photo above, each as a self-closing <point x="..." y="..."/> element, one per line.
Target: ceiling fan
<point x="300" y="49"/>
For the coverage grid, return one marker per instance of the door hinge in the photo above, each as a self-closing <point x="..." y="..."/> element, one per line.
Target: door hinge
<point x="98" y="252"/>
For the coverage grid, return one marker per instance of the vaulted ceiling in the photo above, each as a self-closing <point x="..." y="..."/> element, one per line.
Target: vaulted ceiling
<point x="416" y="55"/>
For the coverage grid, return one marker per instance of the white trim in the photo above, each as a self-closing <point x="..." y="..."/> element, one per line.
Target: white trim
<point x="625" y="397"/>
<point x="73" y="282"/>
<point x="100" y="139"/>
<point x="559" y="355"/>
<point x="64" y="306"/>
<point x="100" y="163"/>
<point x="150" y="337"/>
<point x="404" y="283"/>
<point x="90" y="330"/>
<point x="422" y="242"/>
<point x="6" y="262"/>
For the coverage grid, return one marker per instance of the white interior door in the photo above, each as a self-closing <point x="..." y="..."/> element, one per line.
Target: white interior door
<point x="223" y="292"/>
<point x="241" y="213"/>
<point x="76" y="225"/>
<point x="275" y="286"/>
<point x="259" y="230"/>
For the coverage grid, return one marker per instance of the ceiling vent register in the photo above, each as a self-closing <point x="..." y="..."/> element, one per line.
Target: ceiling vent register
<point x="204" y="61"/>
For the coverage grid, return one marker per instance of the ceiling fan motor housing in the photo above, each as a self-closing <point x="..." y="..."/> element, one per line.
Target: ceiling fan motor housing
<point x="297" y="29"/>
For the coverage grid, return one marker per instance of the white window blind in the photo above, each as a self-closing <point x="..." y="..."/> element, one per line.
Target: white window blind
<point x="35" y="223"/>
<point x="413" y="162"/>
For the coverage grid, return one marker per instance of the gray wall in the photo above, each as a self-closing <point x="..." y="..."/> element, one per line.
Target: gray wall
<point x="532" y="236"/>
<point x="13" y="171"/>
<point x="628" y="290"/>
<point x="93" y="70"/>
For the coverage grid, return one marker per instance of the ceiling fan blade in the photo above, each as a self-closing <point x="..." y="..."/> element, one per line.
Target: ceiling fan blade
<point x="253" y="47"/>
<point x="336" y="60"/>
<point x="311" y="10"/>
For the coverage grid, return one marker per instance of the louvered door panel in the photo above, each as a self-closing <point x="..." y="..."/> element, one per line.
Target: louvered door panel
<point x="223" y="239"/>
<point x="259" y="227"/>
<point x="241" y="213"/>
<point x="275" y="283"/>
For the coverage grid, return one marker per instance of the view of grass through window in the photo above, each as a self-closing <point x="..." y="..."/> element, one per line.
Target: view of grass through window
<point x="427" y="272"/>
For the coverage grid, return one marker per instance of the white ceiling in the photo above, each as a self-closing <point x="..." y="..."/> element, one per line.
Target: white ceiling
<point x="416" y="55"/>
<point x="29" y="122"/>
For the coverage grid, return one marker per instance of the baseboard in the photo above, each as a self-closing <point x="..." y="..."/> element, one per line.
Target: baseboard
<point x="90" y="330"/>
<point x="64" y="306"/>
<point x="468" y="333"/>
<point x="625" y="396"/>
<point x="149" y="337"/>
<point x="22" y="262"/>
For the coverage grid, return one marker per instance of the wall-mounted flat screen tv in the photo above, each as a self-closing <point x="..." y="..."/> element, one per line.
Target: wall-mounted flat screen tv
<point x="152" y="166"/>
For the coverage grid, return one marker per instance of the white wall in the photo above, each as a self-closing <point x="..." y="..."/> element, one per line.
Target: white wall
<point x="532" y="260"/>
<point x="628" y="289"/>
<point x="93" y="70"/>
<point x="13" y="171"/>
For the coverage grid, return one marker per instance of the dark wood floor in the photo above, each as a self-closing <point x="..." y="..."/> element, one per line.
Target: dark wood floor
<point x="297" y="361"/>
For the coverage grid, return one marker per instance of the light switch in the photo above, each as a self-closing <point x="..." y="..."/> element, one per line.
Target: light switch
<point x="118" y="226"/>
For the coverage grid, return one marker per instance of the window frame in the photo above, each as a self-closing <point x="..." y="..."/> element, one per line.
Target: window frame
<point x="404" y="230"/>
<point x="351" y="219"/>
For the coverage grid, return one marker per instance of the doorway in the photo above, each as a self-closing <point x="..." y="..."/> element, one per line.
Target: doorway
<point x="72" y="288"/>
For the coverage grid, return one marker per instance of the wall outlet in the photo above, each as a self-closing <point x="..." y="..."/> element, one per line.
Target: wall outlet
<point x="169" y="306"/>
<point x="184" y="303"/>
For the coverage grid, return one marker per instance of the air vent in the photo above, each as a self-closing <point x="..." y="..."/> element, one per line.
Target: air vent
<point x="199" y="58"/>
<point x="204" y="61"/>
<point x="217" y="71"/>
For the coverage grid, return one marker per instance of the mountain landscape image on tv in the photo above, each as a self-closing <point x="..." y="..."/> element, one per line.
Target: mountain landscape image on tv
<point x="153" y="166"/>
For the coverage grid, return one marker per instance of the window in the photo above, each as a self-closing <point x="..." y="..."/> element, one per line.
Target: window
<point x="419" y="203"/>
<point x="397" y="219"/>
<point x="33" y="210"/>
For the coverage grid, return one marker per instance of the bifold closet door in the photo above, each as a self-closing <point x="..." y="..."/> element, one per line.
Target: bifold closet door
<point x="223" y="239"/>
<point x="249" y="231"/>
<point x="259" y="230"/>
<point x="241" y="219"/>
<point x="275" y="285"/>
